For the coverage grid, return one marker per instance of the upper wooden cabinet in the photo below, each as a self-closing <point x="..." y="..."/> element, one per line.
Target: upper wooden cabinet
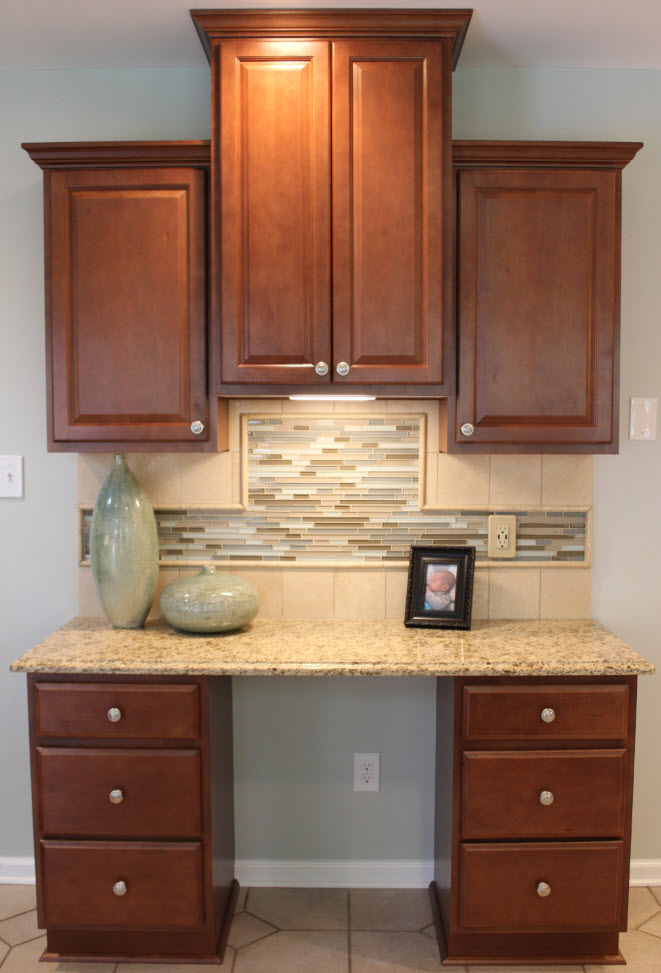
<point x="126" y="295"/>
<point x="538" y="295"/>
<point x="331" y="198"/>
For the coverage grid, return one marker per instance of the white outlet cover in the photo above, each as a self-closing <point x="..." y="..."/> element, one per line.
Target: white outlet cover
<point x="366" y="772"/>
<point x="11" y="477"/>
<point x="642" y="418"/>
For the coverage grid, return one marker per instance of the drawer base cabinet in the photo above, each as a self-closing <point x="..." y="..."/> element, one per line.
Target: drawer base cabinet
<point x="532" y="863"/>
<point x="133" y="817"/>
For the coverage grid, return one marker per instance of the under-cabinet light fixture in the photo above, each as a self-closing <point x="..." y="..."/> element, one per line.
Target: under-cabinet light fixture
<point x="332" y="398"/>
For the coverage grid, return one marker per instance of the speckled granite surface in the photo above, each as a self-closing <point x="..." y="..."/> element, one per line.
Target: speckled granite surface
<point x="303" y="647"/>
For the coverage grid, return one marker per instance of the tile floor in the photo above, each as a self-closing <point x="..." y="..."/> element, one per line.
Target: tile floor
<point x="321" y="931"/>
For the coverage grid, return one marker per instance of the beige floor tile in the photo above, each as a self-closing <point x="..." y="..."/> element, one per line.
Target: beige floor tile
<point x="295" y="952"/>
<point x="515" y="479"/>
<point x="20" y="929"/>
<point x="360" y="593"/>
<point x="4" y="949"/>
<point x="463" y="481"/>
<point x="642" y="953"/>
<point x="656" y="892"/>
<point x="566" y="480"/>
<point x="565" y="593"/>
<point x="390" y="909"/>
<point x="15" y="899"/>
<point x="396" y="582"/>
<point x="393" y="952"/>
<point x="651" y="926"/>
<point x="642" y="906"/>
<point x="241" y="900"/>
<point x="246" y="929"/>
<point x="307" y="593"/>
<point x="514" y="593"/>
<point x="153" y="967"/>
<point x="529" y="969"/>
<point x="301" y="908"/>
<point x="429" y="930"/>
<point x="25" y="959"/>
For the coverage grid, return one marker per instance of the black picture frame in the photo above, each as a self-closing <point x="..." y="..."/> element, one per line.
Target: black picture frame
<point x="432" y="601"/>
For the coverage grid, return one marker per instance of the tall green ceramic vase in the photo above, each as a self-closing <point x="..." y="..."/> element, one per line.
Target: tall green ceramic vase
<point x="124" y="548"/>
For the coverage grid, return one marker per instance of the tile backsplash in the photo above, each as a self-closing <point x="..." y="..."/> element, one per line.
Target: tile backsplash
<point x="306" y="497"/>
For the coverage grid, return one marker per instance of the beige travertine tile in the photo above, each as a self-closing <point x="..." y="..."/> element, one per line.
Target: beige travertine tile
<point x="463" y="481"/>
<point x="239" y="407"/>
<point x="642" y="953"/>
<point x="246" y="928"/>
<point x="642" y="906"/>
<point x="268" y="582"/>
<point x="4" y="949"/>
<point x="567" y="480"/>
<point x="376" y="408"/>
<point x="515" y="480"/>
<point x="296" y="908"/>
<point x="15" y="899"/>
<point x="25" y="959"/>
<point x="89" y="605"/>
<point x="393" y="952"/>
<point x="396" y="582"/>
<point x="481" y="594"/>
<point x="308" y="593"/>
<point x="565" y="593"/>
<point x="312" y="409"/>
<point x="239" y="487"/>
<point x="158" y="475"/>
<point x="295" y="952"/>
<point x="165" y="577"/>
<point x="148" y="967"/>
<point x="20" y="929"/>
<point x="206" y="478"/>
<point x="651" y="926"/>
<point x="360" y="593"/>
<point x="656" y="892"/>
<point x="428" y="498"/>
<point x="430" y="931"/>
<point x="514" y="593"/>
<point x="390" y="909"/>
<point x="93" y="468"/>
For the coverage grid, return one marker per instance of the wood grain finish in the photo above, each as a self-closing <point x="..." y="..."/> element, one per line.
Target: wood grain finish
<point x="163" y="880"/>
<point x="501" y="794"/>
<point x="389" y="171"/>
<point x="148" y="712"/>
<point x="513" y="713"/>
<point x="75" y="784"/>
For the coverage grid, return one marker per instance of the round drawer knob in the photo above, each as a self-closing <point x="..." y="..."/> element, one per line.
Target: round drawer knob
<point x="543" y="889"/>
<point x="116" y="796"/>
<point x="321" y="368"/>
<point x="548" y="715"/>
<point x="546" y="798"/>
<point x="467" y="429"/>
<point x="197" y="427"/>
<point x="114" y="714"/>
<point x="119" y="888"/>
<point x="342" y="368"/>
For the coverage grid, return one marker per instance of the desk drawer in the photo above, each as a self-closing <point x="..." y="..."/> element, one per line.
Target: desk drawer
<point x="499" y="886"/>
<point x="507" y="794"/>
<point x="163" y="884"/>
<point x="159" y="792"/>
<point x="141" y="711"/>
<point x="573" y="712"/>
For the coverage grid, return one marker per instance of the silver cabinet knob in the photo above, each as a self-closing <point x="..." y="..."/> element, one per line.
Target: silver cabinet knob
<point x="467" y="429"/>
<point x="116" y="796"/>
<point x="119" y="888"/>
<point x="548" y="715"/>
<point x="321" y="368"/>
<point x="546" y="798"/>
<point x="197" y="427"/>
<point x="114" y="714"/>
<point x="343" y="368"/>
<point x="543" y="890"/>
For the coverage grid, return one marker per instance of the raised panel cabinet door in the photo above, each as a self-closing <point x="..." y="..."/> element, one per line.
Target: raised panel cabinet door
<point x="391" y="166"/>
<point x="538" y="306"/>
<point x="127" y="304"/>
<point x="271" y="169"/>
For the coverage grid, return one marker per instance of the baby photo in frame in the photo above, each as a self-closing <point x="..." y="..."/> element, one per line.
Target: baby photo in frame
<point x="440" y="587"/>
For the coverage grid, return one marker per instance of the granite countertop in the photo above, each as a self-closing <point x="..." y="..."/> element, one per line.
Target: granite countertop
<point x="311" y="647"/>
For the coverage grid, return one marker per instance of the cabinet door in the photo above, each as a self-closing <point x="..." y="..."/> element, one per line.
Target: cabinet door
<point x="538" y="307"/>
<point x="127" y="305"/>
<point x="272" y="176"/>
<point x="391" y="165"/>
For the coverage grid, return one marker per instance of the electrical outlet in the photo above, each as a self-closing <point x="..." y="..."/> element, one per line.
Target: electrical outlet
<point x="366" y="771"/>
<point x="502" y="535"/>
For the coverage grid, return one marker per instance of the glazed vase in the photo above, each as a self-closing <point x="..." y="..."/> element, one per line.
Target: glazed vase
<point x="211" y="601"/>
<point x="124" y="548"/>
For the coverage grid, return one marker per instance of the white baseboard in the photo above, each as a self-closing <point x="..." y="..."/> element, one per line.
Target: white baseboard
<point x="328" y="874"/>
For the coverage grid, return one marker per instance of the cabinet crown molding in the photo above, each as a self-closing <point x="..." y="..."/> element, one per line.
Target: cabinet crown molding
<point x="99" y="155"/>
<point x="546" y="155"/>
<point x="213" y="25"/>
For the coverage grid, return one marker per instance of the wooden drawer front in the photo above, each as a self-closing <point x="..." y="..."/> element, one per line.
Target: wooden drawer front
<point x="160" y="792"/>
<point x="515" y="712"/>
<point x="148" y="712"/>
<point x="163" y="882"/>
<point x="498" y="886"/>
<point x="501" y="794"/>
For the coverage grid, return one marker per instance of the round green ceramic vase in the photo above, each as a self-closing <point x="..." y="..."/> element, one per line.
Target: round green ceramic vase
<point x="124" y="548"/>
<point x="211" y="601"/>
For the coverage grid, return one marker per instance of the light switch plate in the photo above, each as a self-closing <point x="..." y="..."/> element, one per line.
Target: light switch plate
<point x="11" y="477"/>
<point x="502" y="535"/>
<point x="642" y="418"/>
